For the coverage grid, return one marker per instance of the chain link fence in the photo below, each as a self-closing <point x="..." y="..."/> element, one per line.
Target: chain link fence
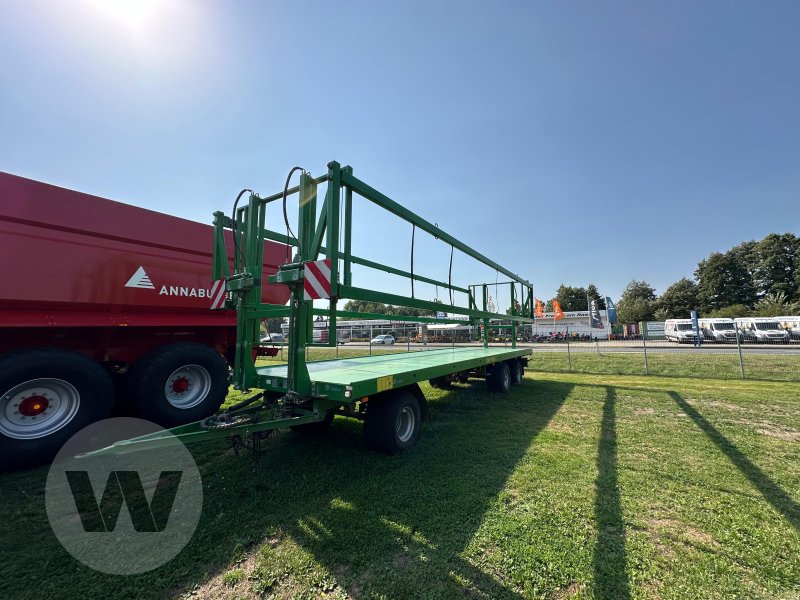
<point x="729" y="351"/>
<point x="735" y="352"/>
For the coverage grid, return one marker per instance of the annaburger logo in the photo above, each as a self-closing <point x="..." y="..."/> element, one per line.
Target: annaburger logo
<point x="124" y="487"/>
<point x="141" y="280"/>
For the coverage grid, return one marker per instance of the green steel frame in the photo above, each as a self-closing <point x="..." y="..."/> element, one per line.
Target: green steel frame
<point x="318" y="236"/>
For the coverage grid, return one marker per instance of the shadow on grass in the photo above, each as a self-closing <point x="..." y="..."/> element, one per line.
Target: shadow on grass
<point x="390" y="526"/>
<point x="772" y="492"/>
<point x="610" y="578"/>
<point x="416" y="517"/>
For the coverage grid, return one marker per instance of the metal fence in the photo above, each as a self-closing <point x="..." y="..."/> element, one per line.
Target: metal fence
<point x="738" y="357"/>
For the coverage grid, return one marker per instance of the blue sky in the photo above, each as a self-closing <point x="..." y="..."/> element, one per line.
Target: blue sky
<point x="574" y="142"/>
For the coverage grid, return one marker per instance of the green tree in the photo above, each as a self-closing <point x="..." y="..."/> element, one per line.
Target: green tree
<point x="730" y="312"/>
<point x="776" y="268"/>
<point x="591" y="291"/>
<point x="571" y="298"/>
<point x="678" y="300"/>
<point x="726" y="279"/>
<point x="637" y="302"/>
<point x="775" y="305"/>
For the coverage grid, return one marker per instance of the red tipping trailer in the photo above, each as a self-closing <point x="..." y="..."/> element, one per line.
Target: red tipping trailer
<point x="103" y="302"/>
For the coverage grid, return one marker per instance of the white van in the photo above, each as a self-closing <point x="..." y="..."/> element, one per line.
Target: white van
<point x="792" y="325"/>
<point x="762" y="329"/>
<point x="718" y="330"/>
<point x="679" y="330"/>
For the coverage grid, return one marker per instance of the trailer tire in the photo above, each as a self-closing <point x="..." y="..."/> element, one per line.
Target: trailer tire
<point x="177" y="383"/>
<point x="77" y="389"/>
<point x="517" y="371"/>
<point x="393" y="422"/>
<point x="317" y="427"/>
<point x="499" y="380"/>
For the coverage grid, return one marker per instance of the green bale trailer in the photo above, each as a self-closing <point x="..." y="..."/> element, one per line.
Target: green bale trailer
<point x="381" y="389"/>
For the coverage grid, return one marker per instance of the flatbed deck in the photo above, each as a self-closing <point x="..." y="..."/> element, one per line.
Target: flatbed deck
<point x="367" y="375"/>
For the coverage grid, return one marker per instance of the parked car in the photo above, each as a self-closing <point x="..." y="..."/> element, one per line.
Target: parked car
<point x="718" y="330"/>
<point x="272" y="337"/>
<point x="679" y="330"/>
<point x="382" y="339"/>
<point x="762" y="329"/>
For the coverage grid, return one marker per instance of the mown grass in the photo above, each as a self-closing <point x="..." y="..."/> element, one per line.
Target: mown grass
<point x="570" y="486"/>
<point x="776" y="367"/>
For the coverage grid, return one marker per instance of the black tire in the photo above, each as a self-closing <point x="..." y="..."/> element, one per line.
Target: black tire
<point x="517" y="371"/>
<point x="83" y="393"/>
<point x="499" y="379"/>
<point x="393" y="422"/>
<point x="198" y="380"/>
<point x="317" y="427"/>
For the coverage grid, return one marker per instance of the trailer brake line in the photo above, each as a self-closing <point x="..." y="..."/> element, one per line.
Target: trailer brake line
<point x="413" y="231"/>
<point x="450" y="276"/>
<point x="285" y="214"/>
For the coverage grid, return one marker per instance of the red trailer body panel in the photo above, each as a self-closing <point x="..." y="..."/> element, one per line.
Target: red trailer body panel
<point x="72" y="260"/>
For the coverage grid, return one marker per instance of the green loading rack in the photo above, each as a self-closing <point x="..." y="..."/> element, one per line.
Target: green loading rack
<point x="319" y="264"/>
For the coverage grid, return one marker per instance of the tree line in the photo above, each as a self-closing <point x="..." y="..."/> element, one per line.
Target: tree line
<point x="755" y="278"/>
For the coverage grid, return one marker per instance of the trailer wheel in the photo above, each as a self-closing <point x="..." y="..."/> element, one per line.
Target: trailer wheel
<point x="393" y="422"/>
<point x="316" y="427"/>
<point x="499" y="379"/>
<point x="46" y="396"/>
<point x="178" y="383"/>
<point x="517" y="371"/>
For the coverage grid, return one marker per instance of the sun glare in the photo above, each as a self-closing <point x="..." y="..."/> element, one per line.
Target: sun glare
<point x="135" y="14"/>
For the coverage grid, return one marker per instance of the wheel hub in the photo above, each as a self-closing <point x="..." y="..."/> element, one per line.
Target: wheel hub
<point x="38" y="408"/>
<point x="33" y="406"/>
<point x="180" y="385"/>
<point x="187" y="386"/>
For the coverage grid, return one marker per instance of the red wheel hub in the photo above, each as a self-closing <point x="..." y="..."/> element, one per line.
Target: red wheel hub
<point x="33" y="406"/>
<point x="180" y="385"/>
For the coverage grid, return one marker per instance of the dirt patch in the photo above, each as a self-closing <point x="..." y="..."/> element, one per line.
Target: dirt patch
<point x="680" y="529"/>
<point x="714" y="404"/>
<point x="781" y="433"/>
<point x="568" y="591"/>
<point x="770" y="429"/>
<point x="217" y="588"/>
<point x="644" y="412"/>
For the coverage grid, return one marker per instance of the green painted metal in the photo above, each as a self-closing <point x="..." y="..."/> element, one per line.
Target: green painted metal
<point x="344" y="380"/>
<point x="328" y="384"/>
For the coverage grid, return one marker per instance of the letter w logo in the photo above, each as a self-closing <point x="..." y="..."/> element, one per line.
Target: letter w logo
<point x="124" y="486"/>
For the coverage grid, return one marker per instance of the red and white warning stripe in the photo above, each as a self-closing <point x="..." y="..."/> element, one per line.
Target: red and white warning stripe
<point x="218" y="294"/>
<point x="317" y="280"/>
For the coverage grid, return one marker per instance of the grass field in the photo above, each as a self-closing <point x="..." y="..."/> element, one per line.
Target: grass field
<point x="678" y="364"/>
<point x="579" y="486"/>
